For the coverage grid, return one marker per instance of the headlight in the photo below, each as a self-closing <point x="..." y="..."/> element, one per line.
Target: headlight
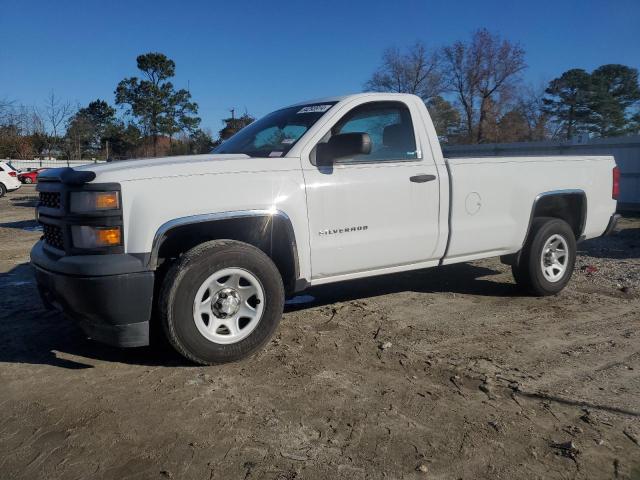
<point x="84" y="236"/>
<point x="87" y="202"/>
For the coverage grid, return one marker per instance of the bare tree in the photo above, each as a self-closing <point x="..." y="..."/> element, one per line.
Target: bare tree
<point x="17" y="129"/>
<point x="416" y="70"/>
<point x="479" y="72"/>
<point x="530" y="104"/>
<point x="57" y="113"/>
<point x="6" y="110"/>
<point x="37" y="123"/>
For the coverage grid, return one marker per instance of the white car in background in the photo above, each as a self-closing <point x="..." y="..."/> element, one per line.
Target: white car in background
<point x="8" y="179"/>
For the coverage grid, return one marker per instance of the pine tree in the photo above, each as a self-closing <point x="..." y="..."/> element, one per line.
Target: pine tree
<point x="614" y="91"/>
<point x="568" y="102"/>
<point x="153" y="101"/>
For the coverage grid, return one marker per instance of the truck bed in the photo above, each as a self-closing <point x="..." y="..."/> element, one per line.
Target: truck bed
<point x="490" y="197"/>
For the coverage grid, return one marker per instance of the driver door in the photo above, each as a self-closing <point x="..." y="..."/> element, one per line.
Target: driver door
<point x="376" y="210"/>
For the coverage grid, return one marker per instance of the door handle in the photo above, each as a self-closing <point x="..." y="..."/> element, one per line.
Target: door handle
<point x="422" y="178"/>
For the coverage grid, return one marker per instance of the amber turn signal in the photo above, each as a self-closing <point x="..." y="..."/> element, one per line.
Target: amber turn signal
<point x="106" y="200"/>
<point x="85" y="236"/>
<point x="108" y="237"/>
<point x="89" y="202"/>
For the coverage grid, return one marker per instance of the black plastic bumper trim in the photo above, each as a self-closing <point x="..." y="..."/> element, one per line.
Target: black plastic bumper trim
<point x="86" y="265"/>
<point x="112" y="309"/>
<point x="67" y="175"/>
<point x="613" y="221"/>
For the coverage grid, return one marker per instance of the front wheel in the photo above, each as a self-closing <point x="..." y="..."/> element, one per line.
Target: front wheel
<point x="548" y="257"/>
<point x="3" y="190"/>
<point x="28" y="180"/>
<point x="221" y="301"/>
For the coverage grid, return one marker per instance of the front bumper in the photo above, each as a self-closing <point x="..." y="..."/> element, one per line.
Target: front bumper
<point x="112" y="306"/>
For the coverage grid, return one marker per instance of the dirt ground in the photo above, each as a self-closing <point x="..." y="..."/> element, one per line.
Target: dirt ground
<point x="442" y="374"/>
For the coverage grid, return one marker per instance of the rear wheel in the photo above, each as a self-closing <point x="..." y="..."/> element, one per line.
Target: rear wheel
<point x="28" y="180"/>
<point x="548" y="257"/>
<point x="221" y="302"/>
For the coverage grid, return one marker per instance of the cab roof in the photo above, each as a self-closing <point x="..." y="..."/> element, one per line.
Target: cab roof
<point x="344" y="97"/>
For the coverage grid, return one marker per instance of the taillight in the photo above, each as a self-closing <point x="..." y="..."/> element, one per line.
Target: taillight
<point x="12" y="174"/>
<point x="615" y="190"/>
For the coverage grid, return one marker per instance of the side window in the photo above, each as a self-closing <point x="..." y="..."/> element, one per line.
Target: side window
<point x="389" y="126"/>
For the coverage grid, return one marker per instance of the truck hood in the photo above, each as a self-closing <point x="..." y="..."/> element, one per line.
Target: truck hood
<point x="130" y="170"/>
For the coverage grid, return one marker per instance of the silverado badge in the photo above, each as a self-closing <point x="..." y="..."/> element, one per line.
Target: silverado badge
<point x="334" y="231"/>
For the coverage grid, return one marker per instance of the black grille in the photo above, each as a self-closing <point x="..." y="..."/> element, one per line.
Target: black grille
<point x="50" y="199"/>
<point x="53" y="236"/>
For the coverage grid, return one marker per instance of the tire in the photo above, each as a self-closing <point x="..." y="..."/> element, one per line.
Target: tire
<point x="213" y="270"/>
<point x="544" y="269"/>
<point x="28" y="180"/>
<point x="3" y="190"/>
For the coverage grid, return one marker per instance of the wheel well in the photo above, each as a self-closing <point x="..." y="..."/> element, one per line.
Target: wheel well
<point x="273" y="234"/>
<point x="570" y="207"/>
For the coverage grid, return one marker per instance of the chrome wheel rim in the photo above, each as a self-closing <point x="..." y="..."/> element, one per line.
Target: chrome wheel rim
<point x="228" y="305"/>
<point x="554" y="258"/>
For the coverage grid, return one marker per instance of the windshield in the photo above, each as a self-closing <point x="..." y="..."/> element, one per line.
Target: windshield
<point x="275" y="134"/>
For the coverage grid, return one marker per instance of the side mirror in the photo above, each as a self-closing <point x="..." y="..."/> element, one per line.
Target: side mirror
<point x="343" y="145"/>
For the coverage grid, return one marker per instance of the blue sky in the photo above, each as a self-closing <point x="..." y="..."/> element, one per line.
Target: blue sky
<point x="261" y="55"/>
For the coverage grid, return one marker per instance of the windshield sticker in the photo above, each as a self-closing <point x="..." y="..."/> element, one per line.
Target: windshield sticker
<point x="288" y="141"/>
<point x="315" y="109"/>
<point x="275" y="154"/>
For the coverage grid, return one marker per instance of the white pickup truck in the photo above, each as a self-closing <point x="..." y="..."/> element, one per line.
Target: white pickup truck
<point x="210" y="246"/>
